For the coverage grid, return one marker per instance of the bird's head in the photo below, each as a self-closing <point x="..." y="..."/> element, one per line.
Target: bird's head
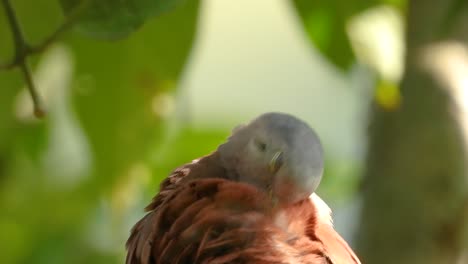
<point x="277" y="153"/>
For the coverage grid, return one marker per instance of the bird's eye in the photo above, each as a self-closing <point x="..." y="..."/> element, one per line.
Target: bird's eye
<point x="261" y="145"/>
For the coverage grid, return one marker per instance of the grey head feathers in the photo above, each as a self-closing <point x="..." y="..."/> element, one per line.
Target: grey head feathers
<point x="276" y="152"/>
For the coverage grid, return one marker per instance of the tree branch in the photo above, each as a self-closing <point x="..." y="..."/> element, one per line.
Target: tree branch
<point x="23" y="50"/>
<point x="19" y="59"/>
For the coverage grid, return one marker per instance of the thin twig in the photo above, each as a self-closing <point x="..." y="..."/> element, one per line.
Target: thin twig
<point x="37" y="102"/>
<point x="21" y="51"/>
<point x="66" y="25"/>
<point x="17" y="35"/>
<point x="42" y="46"/>
<point x="15" y="28"/>
<point x="51" y="39"/>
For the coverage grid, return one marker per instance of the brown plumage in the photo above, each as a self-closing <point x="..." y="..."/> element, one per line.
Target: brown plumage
<point x="212" y="212"/>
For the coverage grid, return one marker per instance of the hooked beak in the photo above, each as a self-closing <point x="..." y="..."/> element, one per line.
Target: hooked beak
<point x="276" y="162"/>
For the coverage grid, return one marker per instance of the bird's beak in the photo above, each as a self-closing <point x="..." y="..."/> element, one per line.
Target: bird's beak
<point x="276" y="162"/>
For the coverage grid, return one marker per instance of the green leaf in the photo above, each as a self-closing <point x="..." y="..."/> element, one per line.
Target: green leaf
<point x="325" y="24"/>
<point x="119" y="86"/>
<point x="115" y="19"/>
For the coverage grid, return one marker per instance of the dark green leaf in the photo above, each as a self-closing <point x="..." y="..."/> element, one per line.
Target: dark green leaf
<point x="114" y="19"/>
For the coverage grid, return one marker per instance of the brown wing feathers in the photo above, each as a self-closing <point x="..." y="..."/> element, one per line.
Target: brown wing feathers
<point x="220" y="221"/>
<point x="206" y="167"/>
<point x="217" y="221"/>
<point x="207" y="218"/>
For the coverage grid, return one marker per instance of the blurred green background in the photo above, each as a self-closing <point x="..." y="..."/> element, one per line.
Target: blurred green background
<point x="134" y="89"/>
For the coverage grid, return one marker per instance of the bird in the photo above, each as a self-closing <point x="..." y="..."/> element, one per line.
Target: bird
<point x="252" y="200"/>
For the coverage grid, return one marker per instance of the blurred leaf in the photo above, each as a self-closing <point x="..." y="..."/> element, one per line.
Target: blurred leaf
<point x="114" y="19"/>
<point x="325" y="24"/>
<point x="124" y="81"/>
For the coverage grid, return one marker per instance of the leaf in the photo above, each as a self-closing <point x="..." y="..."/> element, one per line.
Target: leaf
<point x="325" y="24"/>
<point x="119" y="87"/>
<point x="115" y="19"/>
